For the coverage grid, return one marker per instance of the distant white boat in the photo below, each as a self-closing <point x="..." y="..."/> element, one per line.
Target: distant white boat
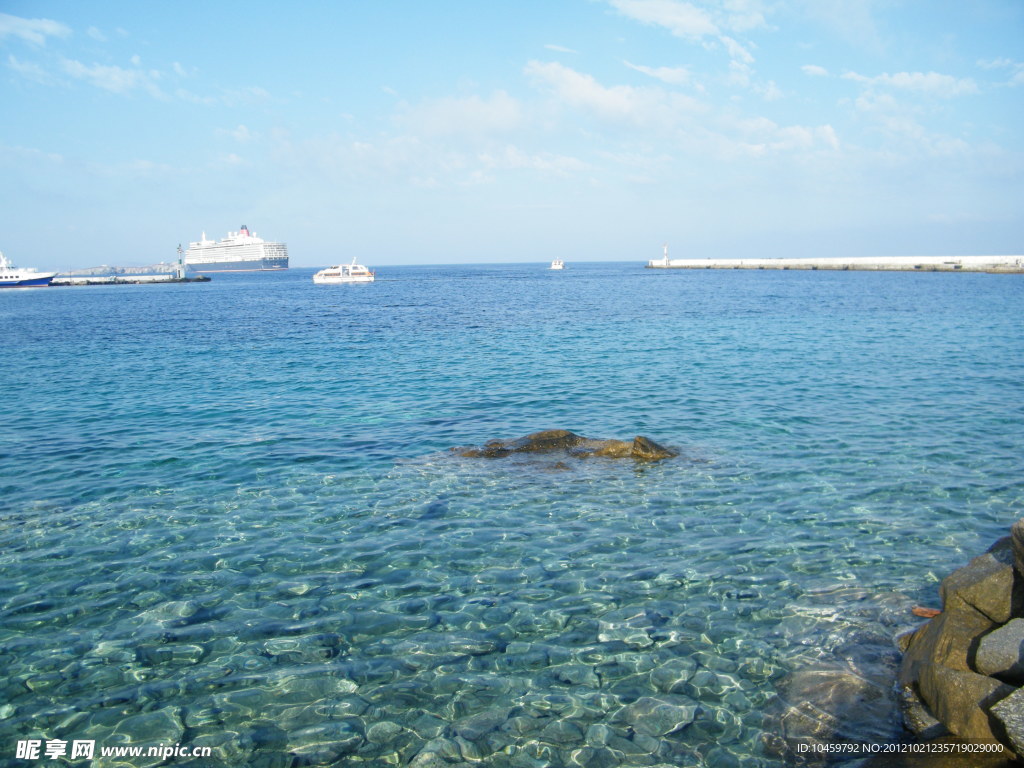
<point x="557" y="264"/>
<point x="14" y="277"/>
<point x="344" y="273"/>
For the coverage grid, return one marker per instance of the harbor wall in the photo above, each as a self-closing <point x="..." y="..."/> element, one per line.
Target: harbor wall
<point x="1002" y="264"/>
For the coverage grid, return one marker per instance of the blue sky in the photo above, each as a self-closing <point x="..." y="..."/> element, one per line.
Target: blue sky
<point x="407" y="131"/>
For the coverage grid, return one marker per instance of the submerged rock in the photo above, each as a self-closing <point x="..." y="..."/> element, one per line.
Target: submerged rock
<point x="562" y="441"/>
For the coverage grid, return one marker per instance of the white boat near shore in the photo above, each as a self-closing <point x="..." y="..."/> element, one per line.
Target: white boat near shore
<point x="22" y="277"/>
<point x="344" y="273"/>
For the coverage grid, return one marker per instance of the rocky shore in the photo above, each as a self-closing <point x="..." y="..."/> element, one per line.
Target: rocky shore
<point x="962" y="672"/>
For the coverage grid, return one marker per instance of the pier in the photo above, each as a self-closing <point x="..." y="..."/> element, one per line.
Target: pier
<point x="994" y="264"/>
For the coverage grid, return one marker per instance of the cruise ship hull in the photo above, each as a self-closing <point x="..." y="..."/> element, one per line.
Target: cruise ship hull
<point x="250" y="265"/>
<point x="33" y="282"/>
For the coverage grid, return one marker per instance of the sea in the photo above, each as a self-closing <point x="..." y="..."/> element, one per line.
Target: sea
<point x="232" y="522"/>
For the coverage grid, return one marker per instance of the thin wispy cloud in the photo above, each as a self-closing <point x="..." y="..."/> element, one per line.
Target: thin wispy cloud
<point x="713" y="28"/>
<point x="814" y="70"/>
<point x="30" y="70"/>
<point x="932" y="83"/>
<point x="467" y="117"/>
<point x="34" y="31"/>
<point x="241" y="134"/>
<point x="670" y="75"/>
<point x="1015" y="68"/>
<point x="113" y="78"/>
<point x="559" y="48"/>
<point x="514" y="158"/>
<point x="617" y="103"/>
<point x="681" y="19"/>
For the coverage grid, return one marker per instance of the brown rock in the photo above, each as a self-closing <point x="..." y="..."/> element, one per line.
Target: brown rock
<point x="950" y="639"/>
<point x="962" y="700"/>
<point x="566" y="442"/>
<point x="648" y="450"/>
<point x="611" y="449"/>
<point x="917" y="718"/>
<point x="1017" y="539"/>
<point x="988" y="583"/>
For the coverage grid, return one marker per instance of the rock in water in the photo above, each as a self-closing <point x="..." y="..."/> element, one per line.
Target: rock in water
<point x="562" y="441"/>
<point x="646" y="449"/>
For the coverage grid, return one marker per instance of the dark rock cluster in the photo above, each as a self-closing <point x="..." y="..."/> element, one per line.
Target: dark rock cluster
<point x="562" y="441"/>
<point x="963" y="671"/>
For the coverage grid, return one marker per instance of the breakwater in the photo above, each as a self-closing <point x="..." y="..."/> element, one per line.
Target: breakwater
<point x="998" y="264"/>
<point x="127" y="280"/>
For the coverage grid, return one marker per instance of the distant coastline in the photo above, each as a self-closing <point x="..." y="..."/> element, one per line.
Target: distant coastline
<point x="997" y="264"/>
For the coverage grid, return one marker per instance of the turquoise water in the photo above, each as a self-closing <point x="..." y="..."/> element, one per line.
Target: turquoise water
<point x="229" y="516"/>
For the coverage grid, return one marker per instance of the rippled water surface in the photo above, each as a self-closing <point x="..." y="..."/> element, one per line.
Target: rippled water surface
<point x="229" y="516"/>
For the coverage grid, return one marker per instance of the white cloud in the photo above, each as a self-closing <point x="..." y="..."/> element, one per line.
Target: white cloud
<point x="681" y="19"/>
<point x="1016" y="69"/>
<point x="471" y="116"/>
<point x="559" y="48"/>
<point x="744" y="15"/>
<point x="997" y="63"/>
<point x="32" y="30"/>
<point x="113" y="78"/>
<point x="671" y="75"/>
<point x="513" y="158"/>
<point x="814" y="70"/>
<point x="31" y="155"/>
<point x="249" y="95"/>
<point x="932" y="83"/>
<point x="689" y="22"/>
<point x="769" y="91"/>
<point x="95" y="34"/>
<point x="192" y="98"/>
<point x="736" y="51"/>
<point x="29" y="70"/>
<point x="851" y="21"/>
<point x="240" y="134"/>
<point x="760" y="136"/>
<point x="620" y="103"/>
<point x="231" y="160"/>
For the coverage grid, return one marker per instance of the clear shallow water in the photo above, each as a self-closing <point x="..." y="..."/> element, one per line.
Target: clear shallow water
<point x="228" y="515"/>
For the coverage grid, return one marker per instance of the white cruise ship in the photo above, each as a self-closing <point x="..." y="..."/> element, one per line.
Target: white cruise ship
<point x="238" y="252"/>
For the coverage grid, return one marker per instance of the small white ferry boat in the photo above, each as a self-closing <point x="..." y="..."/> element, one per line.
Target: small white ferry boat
<point x="344" y="273"/>
<point x="14" y="277"/>
<point x="557" y="264"/>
